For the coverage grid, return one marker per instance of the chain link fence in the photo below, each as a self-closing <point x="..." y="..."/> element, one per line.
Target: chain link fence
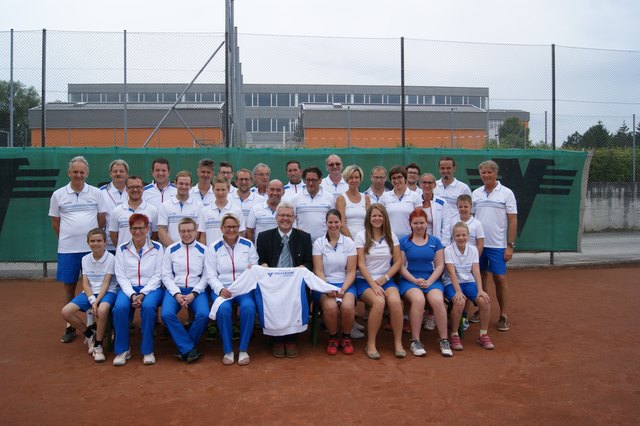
<point x="510" y="87"/>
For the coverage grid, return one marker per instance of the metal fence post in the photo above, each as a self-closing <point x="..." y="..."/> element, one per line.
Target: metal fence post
<point x="43" y="123"/>
<point x="10" y="141"/>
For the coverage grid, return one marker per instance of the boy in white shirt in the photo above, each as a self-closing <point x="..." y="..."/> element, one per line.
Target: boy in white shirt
<point x="99" y="293"/>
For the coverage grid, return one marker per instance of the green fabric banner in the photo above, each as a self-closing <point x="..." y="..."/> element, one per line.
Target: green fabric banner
<point x="549" y="185"/>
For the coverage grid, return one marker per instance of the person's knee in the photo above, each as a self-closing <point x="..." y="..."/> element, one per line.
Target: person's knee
<point x="500" y="280"/>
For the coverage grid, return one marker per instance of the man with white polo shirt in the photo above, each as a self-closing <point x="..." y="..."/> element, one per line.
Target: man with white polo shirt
<point x="377" y="188"/>
<point x="161" y="189"/>
<point x="175" y="208"/>
<point x="295" y="185"/>
<point x="495" y="207"/>
<point x="312" y="204"/>
<point x="210" y="217"/>
<point x="114" y="193"/>
<point x="413" y="176"/>
<point x="334" y="183"/>
<point x="75" y="209"/>
<point x="449" y="188"/>
<point x="262" y="217"/>
<point x="261" y="176"/>
<point x="203" y="188"/>
<point x="119" y="220"/>
<point x="242" y="197"/>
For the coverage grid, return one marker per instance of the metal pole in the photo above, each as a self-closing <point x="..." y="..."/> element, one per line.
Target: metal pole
<point x="229" y="65"/>
<point x="452" y="127"/>
<point x="553" y="96"/>
<point x="349" y="126"/>
<point x="10" y="141"/>
<point x="633" y="152"/>
<point x="545" y="128"/>
<point x="402" y="101"/>
<point x="125" y="112"/>
<point x="43" y="121"/>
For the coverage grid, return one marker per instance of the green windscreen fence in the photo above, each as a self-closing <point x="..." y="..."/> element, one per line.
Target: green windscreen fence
<point x="549" y="185"/>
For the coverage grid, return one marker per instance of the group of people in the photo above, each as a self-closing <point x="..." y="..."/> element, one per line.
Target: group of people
<point x="239" y="245"/>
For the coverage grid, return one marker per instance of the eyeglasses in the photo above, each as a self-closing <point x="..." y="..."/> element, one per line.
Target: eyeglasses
<point x="399" y="177"/>
<point x="312" y="180"/>
<point x="137" y="228"/>
<point x="334" y="164"/>
<point x="230" y="227"/>
<point x="132" y="187"/>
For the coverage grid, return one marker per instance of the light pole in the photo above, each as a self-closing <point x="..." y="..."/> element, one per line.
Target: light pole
<point x="349" y="126"/>
<point x="452" y="109"/>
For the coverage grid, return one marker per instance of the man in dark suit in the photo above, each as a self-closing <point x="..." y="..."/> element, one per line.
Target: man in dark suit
<point x="285" y="247"/>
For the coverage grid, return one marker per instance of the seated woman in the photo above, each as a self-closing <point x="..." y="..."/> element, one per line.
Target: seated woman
<point x="334" y="261"/>
<point x="225" y="260"/>
<point x="379" y="259"/>
<point x="423" y="264"/>
<point x="138" y="271"/>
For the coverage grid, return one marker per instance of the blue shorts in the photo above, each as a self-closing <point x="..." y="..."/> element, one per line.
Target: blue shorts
<point x="82" y="301"/>
<point x="470" y="291"/>
<point x="405" y="286"/>
<point x="361" y="285"/>
<point x="492" y="260"/>
<point x="316" y="294"/>
<point x="69" y="267"/>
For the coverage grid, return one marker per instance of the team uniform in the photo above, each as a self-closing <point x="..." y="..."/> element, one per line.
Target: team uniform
<point x="418" y="191"/>
<point x="261" y="218"/>
<point x="438" y="220"/>
<point x="111" y="197"/>
<point x="224" y="264"/>
<point x="206" y="198"/>
<point x="119" y="220"/>
<point x="311" y="212"/>
<point x="334" y="189"/>
<point x="247" y="204"/>
<point x="334" y="261"/>
<point x="476" y="230"/>
<point x="210" y="219"/>
<point x="491" y="209"/>
<point x="450" y="195"/>
<point x="96" y="270"/>
<point x="137" y="272"/>
<point x="172" y="210"/>
<point x="420" y="263"/>
<point x="291" y="190"/>
<point x="255" y="190"/>
<point x="377" y="261"/>
<point x="78" y="213"/>
<point x="182" y="273"/>
<point x="355" y="213"/>
<point x="281" y="298"/>
<point x="399" y="209"/>
<point x="463" y="263"/>
<point x="155" y="196"/>
<point x="375" y="198"/>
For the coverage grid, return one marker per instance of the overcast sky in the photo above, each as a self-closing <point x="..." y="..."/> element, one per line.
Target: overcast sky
<point x="505" y="47"/>
<point x="585" y="23"/>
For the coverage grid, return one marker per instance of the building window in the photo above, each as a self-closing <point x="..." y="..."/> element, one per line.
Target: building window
<point x="264" y="125"/>
<point x="190" y="97"/>
<point x="303" y="97"/>
<point x="264" y="99"/>
<point x="440" y="100"/>
<point x="358" y="99"/>
<point x="455" y="100"/>
<point x="375" y="99"/>
<point x="93" y="97"/>
<point x="393" y="99"/>
<point x="412" y="99"/>
<point x="283" y="99"/>
<point x="320" y="98"/>
<point x="339" y="98"/>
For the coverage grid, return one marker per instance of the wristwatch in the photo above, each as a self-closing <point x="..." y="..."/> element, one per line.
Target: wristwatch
<point x="512" y="245"/>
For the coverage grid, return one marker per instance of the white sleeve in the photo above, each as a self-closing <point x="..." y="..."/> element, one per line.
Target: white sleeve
<point x="102" y="204"/>
<point x="121" y="273"/>
<point x="112" y="226"/>
<point x="156" y="279"/>
<point x="251" y="219"/>
<point x="211" y="270"/>
<point x="167" y="274"/>
<point x="54" y="207"/>
<point x="315" y="283"/>
<point x="244" y="284"/>
<point x="201" y="220"/>
<point x="163" y="217"/>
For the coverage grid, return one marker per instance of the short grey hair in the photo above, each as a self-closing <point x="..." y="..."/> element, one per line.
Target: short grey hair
<point x="489" y="164"/>
<point x="257" y="166"/>
<point x="285" y="205"/>
<point x="79" y="159"/>
<point x="119" y="162"/>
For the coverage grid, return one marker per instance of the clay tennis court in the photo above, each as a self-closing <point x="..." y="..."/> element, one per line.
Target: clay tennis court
<point x="571" y="357"/>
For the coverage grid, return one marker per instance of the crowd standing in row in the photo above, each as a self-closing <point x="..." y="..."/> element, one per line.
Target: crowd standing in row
<point x="179" y="245"/>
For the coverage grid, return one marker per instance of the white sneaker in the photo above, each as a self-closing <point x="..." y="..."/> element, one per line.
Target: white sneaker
<point x="149" y="359"/>
<point x="357" y="325"/>
<point x="90" y="342"/>
<point x="243" y="358"/>
<point x="417" y="348"/>
<point x="356" y="333"/>
<point x="430" y="323"/>
<point x="228" y="358"/>
<point x="121" y="359"/>
<point x="98" y="354"/>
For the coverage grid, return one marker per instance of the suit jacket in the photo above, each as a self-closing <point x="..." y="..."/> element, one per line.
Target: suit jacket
<point x="269" y="247"/>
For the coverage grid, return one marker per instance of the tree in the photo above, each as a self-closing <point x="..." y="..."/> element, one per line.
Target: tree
<point x="573" y="141"/>
<point x="622" y="138"/>
<point x="24" y="98"/>
<point x="596" y="136"/>
<point x="512" y="133"/>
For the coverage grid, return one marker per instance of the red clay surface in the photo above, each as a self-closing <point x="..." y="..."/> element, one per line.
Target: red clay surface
<point x="571" y="357"/>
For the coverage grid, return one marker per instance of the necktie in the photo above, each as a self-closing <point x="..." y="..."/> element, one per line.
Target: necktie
<point x="285" y="260"/>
